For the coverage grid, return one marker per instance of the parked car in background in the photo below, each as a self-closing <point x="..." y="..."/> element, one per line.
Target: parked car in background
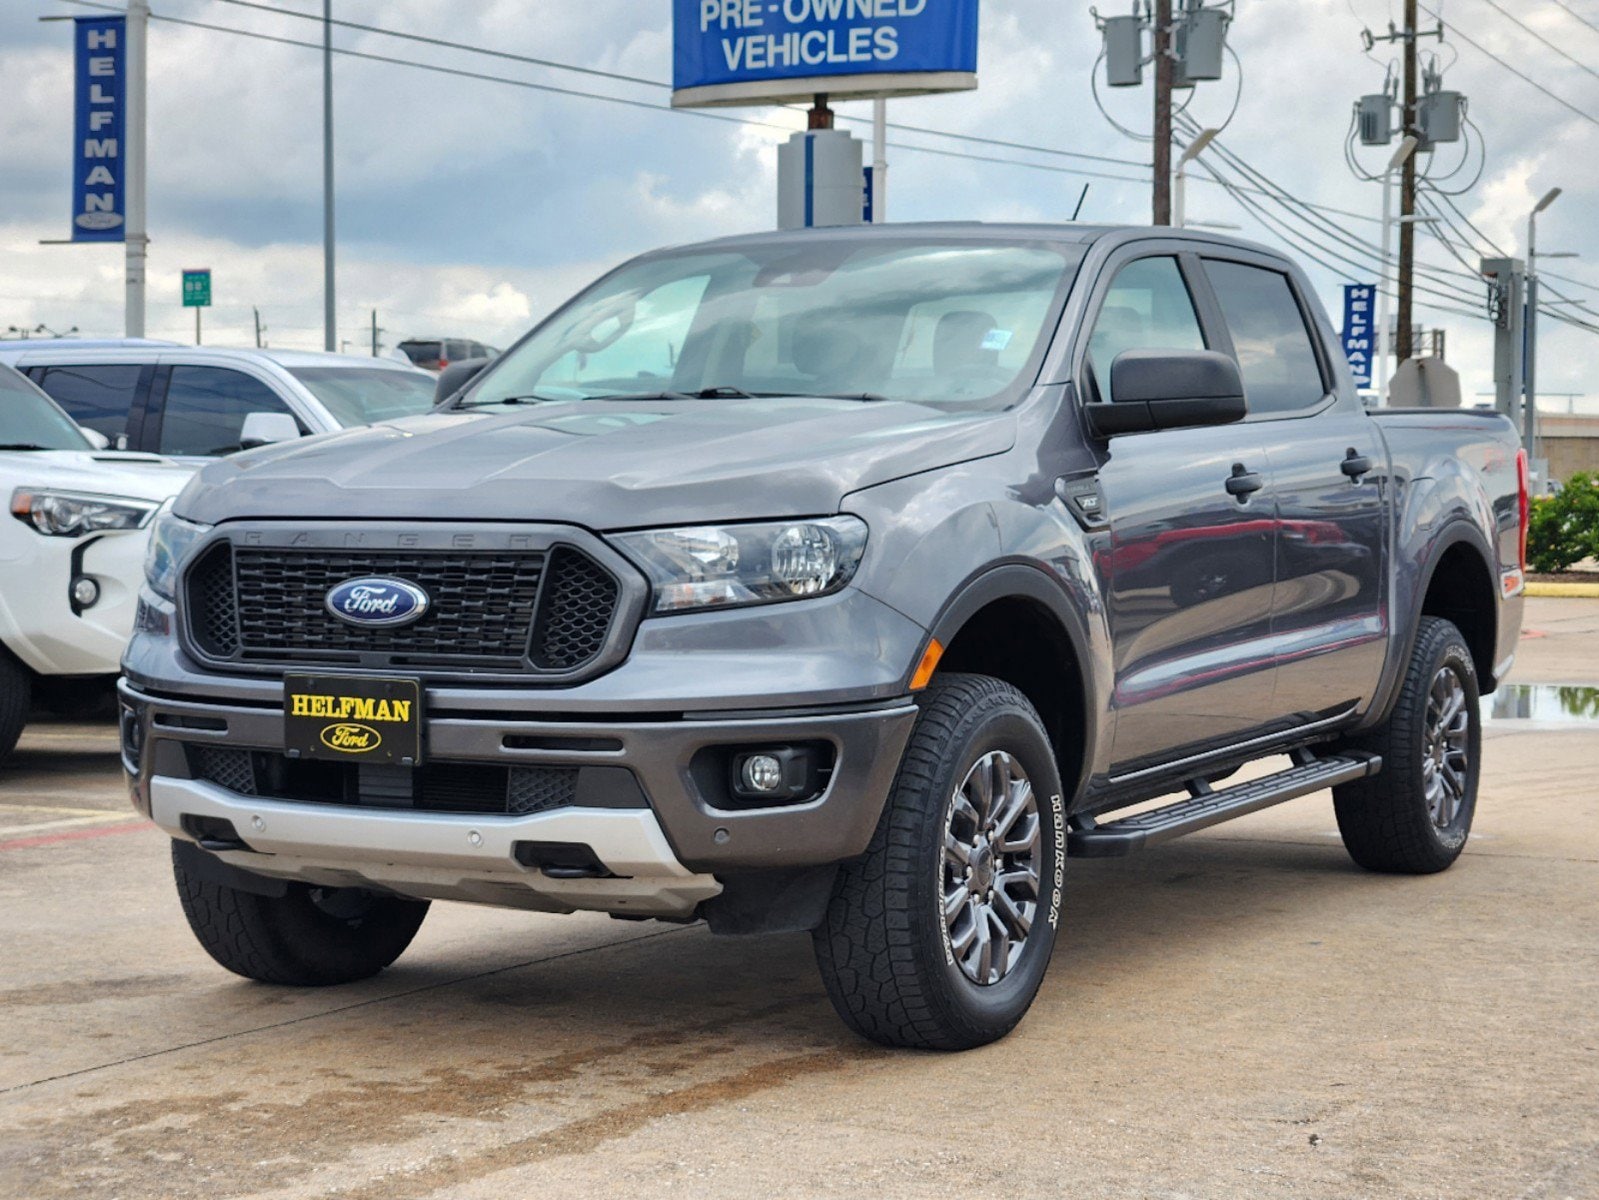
<point x="192" y="402"/>
<point x="434" y="354"/>
<point x="71" y="554"/>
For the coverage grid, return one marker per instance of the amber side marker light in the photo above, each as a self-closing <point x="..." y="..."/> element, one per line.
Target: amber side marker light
<point x="929" y="664"/>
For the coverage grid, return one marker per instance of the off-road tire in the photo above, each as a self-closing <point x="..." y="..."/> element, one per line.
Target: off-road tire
<point x="16" y="697"/>
<point x="294" y="939"/>
<point x="883" y="947"/>
<point x="1384" y="819"/>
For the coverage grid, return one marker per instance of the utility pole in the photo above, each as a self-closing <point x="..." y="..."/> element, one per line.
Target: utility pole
<point x="257" y="313"/>
<point x="1529" y="370"/>
<point x="375" y="332"/>
<point x="1403" y="347"/>
<point x="879" y="161"/>
<point x="135" y="241"/>
<point x="1164" y="64"/>
<point x="329" y="332"/>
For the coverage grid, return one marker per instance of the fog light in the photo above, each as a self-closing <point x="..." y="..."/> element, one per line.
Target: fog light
<point x="85" y="592"/>
<point x="762" y="773"/>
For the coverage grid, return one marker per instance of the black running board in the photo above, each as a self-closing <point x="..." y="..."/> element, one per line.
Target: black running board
<point x="1210" y="807"/>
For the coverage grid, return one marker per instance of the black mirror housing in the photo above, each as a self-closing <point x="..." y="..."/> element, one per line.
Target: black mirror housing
<point x="1169" y="389"/>
<point x="456" y="376"/>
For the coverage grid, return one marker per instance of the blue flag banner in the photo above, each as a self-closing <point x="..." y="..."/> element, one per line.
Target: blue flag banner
<point x="99" y="130"/>
<point x="1360" y="340"/>
<point x="741" y="51"/>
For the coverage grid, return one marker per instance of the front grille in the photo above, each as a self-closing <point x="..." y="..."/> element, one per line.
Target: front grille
<point x="504" y="611"/>
<point x="446" y="787"/>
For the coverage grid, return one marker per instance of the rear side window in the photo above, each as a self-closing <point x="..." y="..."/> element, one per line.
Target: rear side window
<point x="1147" y="308"/>
<point x="1275" y="353"/>
<point x="423" y="354"/>
<point x="206" y="406"/>
<point x="98" y="397"/>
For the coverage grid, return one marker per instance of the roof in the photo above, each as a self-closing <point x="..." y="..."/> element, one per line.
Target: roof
<point x="68" y="348"/>
<point x="81" y="343"/>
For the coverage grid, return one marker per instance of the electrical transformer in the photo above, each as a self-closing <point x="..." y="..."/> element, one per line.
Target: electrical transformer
<point x="1376" y="115"/>
<point x="1124" y="50"/>
<point x="1201" y="41"/>
<point x="1438" y="117"/>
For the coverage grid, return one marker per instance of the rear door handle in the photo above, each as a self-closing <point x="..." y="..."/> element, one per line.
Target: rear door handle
<point x="1242" y="483"/>
<point x="1355" y="465"/>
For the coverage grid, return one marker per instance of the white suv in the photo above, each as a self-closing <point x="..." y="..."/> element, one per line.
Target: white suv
<point x="71" y="551"/>
<point x="192" y="402"/>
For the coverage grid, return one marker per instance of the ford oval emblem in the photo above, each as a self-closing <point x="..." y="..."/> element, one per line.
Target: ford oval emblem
<point x="377" y="602"/>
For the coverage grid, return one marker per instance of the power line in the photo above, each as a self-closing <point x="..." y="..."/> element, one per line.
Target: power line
<point x="1531" y="32"/>
<point x="575" y="92"/>
<point x="1578" y="15"/>
<point x="1481" y="49"/>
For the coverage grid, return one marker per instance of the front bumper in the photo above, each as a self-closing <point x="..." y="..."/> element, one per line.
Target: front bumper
<point x="679" y="841"/>
<point x="37" y="619"/>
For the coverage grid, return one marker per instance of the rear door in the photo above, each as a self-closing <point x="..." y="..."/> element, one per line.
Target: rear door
<point x="202" y="409"/>
<point x="1329" y="467"/>
<point x="106" y="397"/>
<point x="1188" y="568"/>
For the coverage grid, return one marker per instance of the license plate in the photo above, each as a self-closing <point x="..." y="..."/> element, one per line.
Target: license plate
<point x="353" y="718"/>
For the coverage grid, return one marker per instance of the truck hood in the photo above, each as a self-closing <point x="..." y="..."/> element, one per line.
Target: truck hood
<point x="97" y="472"/>
<point x="600" y="464"/>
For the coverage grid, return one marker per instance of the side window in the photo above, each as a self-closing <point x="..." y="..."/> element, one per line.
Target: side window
<point x="1275" y="353"/>
<point x="1147" y="308"/>
<point x="96" y="397"/>
<point x="206" y="406"/>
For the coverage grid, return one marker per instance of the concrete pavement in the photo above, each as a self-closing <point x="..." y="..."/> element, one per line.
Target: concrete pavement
<point x="1242" y="1013"/>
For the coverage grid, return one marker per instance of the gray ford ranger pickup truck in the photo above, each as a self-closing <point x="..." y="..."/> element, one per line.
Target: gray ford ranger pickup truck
<point x="845" y="581"/>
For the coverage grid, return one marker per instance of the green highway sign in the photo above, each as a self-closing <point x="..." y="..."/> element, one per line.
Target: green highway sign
<point x="197" y="288"/>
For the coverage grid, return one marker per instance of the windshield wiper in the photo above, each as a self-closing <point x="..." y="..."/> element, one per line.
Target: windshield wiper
<point x="530" y="398"/>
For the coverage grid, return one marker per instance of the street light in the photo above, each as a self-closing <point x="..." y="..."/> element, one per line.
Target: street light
<point x="1193" y="150"/>
<point x="1529" y="370"/>
<point x="1406" y="148"/>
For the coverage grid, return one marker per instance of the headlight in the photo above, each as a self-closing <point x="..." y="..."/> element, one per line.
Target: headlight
<point x="170" y="541"/>
<point x="716" y="566"/>
<point x="73" y="514"/>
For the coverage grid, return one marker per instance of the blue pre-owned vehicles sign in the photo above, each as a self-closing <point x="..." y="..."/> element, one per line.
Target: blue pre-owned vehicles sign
<point x="778" y="51"/>
<point x="98" y="132"/>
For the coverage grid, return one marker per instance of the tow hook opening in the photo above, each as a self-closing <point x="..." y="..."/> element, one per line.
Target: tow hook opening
<point x="213" y="833"/>
<point x="562" y="860"/>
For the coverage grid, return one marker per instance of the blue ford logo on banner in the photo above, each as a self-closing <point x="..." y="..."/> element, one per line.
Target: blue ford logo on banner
<point x="377" y="602"/>
<point x="99" y="151"/>
<point x="746" y="51"/>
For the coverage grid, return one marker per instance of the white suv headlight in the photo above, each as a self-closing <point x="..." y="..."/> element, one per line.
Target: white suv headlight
<point x="170" y="542"/>
<point x="73" y="514"/>
<point x="718" y="566"/>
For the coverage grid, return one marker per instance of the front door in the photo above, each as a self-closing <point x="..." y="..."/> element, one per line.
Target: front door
<point x="1188" y="568"/>
<point x="1329" y="471"/>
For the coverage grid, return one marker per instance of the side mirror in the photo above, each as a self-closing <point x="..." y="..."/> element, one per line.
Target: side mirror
<point x="264" y="428"/>
<point x="1169" y="389"/>
<point x="456" y="376"/>
<point x="96" y="439"/>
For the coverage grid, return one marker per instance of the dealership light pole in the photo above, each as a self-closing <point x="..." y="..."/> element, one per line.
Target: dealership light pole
<point x="1406" y="148"/>
<point x="135" y="242"/>
<point x="329" y="330"/>
<point x="1193" y="150"/>
<point x="879" y="161"/>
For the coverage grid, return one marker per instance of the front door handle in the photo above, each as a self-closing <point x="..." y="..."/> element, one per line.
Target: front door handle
<point x="1355" y="465"/>
<point x="1242" y="483"/>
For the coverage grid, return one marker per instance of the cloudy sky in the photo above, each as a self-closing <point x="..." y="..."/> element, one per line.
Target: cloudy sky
<point x="471" y="206"/>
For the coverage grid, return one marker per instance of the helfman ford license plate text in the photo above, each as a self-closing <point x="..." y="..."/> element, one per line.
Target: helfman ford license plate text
<point x="353" y="718"/>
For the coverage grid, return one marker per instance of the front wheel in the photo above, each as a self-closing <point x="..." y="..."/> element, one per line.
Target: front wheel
<point x="307" y="937"/>
<point x="939" y="936"/>
<point x="16" y="695"/>
<point x="1414" y="816"/>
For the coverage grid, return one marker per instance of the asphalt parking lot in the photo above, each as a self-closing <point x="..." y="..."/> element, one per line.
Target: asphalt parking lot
<point x="1243" y="1013"/>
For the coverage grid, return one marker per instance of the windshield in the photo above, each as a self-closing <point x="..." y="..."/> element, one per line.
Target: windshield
<point x="959" y="324"/>
<point x="30" y="420"/>
<point x="364" y="395"/>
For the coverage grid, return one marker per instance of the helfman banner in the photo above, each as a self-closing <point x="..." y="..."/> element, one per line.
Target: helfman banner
<point x="98" y="194"/>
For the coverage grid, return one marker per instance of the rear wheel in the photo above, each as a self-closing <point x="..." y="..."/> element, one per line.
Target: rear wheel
<point x="1414" y="816"/>
<point x="308" y="937"/>
<point x="16" y="695"/>
<point x="940" y="935"/>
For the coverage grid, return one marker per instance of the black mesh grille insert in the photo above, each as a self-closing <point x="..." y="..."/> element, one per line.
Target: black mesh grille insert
<point x="539" y="789"/>
<point x="231" y="769"/>
<point x="577" y="612"/>
<point x="488" y="610"/>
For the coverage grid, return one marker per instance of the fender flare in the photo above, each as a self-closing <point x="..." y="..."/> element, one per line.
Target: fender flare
<point x="1023" y="581"/>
